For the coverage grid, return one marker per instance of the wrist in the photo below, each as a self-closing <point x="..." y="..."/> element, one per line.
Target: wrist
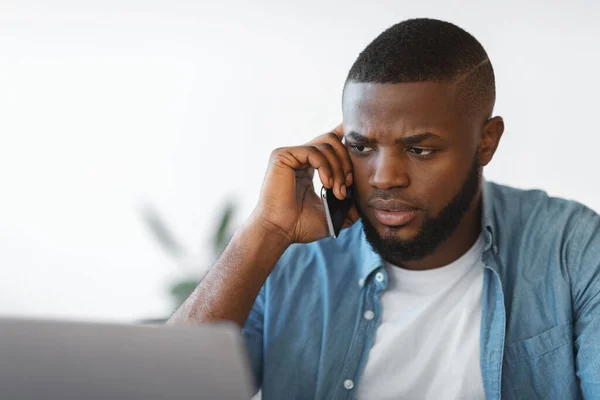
<point x="267" y="232"/>
<point x="261" y="241"/>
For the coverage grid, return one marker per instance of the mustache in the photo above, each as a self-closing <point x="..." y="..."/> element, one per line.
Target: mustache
<point x="380" y="194"/>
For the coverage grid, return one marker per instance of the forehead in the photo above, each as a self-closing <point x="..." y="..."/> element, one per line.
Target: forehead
<point x="369" y="107"/>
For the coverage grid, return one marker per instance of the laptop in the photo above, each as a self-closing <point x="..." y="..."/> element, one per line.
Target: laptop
<point x="44" y="359"/>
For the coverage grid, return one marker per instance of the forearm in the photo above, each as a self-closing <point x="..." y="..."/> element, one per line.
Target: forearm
<point x="230" y="288"/>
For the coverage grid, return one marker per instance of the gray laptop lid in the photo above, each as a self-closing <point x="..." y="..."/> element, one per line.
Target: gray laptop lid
<point x="76" y="360"/>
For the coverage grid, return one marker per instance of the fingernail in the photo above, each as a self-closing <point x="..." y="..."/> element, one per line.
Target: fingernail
<point x="343" y="190"/>
<point x="331" y="182"/>
<point x="349" y="179"/>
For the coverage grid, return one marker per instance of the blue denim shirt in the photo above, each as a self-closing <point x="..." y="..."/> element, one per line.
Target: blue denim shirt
<point x="540" y="328"/>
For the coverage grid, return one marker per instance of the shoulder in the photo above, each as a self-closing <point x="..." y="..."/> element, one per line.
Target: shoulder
<point x="544" y="236"/>
<point x="535" y="212"/>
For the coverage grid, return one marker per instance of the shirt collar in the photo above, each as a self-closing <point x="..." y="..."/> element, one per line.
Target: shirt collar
<point x="370" y="261"/>
<point x="488" y="213"/>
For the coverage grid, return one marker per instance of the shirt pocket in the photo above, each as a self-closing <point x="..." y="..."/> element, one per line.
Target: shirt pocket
<point x="541" y="367"/>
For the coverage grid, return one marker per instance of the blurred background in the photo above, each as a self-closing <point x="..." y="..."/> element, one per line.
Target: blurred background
<point x="134" y="134"/>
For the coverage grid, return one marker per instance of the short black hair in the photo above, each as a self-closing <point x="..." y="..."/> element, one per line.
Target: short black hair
<point x="422" y="50"/>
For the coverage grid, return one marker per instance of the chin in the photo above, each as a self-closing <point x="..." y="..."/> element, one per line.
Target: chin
<point x="404" y="233"/>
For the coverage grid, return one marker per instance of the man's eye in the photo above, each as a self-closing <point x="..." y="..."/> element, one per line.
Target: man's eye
<point x="360" y="149"/>
<point x="421" y="152"/>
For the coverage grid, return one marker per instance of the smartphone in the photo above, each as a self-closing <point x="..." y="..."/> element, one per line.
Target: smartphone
<point x="336" y="210"/>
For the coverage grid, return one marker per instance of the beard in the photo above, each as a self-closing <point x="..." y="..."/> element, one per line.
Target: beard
<point x="434" y="230"/>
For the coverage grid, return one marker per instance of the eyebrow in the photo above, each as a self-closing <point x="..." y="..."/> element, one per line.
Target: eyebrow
<point x="407" y="141"/>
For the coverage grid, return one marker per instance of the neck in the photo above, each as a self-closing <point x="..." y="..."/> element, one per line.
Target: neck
<point x="457" y="244"/>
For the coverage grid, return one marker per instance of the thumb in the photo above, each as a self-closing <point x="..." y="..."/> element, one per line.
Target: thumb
<point x="351" y="218"/>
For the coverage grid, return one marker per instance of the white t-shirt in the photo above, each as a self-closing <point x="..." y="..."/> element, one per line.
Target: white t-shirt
<point x="427" y="345"/>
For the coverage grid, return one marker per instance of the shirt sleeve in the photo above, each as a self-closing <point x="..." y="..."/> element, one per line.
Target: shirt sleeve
<point x="252" y="332"/>
<point x="585" y="282"/>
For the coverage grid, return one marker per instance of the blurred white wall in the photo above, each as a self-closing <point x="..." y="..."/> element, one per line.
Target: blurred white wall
<point x="105" y="105"/>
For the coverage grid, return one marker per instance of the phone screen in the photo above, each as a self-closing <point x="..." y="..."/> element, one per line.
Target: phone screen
<point x="336" y="210"/>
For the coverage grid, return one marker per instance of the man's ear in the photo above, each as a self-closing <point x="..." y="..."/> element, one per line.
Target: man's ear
<point x="490" y="138"/>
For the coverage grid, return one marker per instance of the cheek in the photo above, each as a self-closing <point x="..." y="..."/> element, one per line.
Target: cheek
<point x="437" y="182"/>
<point x="431" y="177"/>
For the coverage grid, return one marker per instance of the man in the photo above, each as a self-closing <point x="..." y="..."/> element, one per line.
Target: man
<point x="447" y="286"/>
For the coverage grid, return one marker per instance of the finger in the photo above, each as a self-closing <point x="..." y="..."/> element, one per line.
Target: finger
<point x="339" y="177"/>
<point x="301" y="158"/>
<point x="343" y="155"/>
<point x="319" y="161"/>
<point x="335" y="139"/>
<point x="339" y="131"/>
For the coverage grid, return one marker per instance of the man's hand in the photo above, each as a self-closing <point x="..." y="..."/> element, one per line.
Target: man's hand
<point x="288" y="211"/>
<point x="288" y="204"/>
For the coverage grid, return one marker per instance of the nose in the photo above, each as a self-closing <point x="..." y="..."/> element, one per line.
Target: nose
<point x="389" y="170"/>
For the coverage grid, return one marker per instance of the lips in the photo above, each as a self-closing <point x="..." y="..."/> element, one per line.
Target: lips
<point x="393" y="212"/>
<point x="394" y="218"/>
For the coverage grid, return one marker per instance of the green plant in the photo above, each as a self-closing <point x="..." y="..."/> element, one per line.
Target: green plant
<point x="181" y="289"/>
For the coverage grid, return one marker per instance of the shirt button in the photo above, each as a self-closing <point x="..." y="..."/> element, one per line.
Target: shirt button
<point x="369" y="315"/>
<point x="361" y="282"/>
<point x="379" y="277"/>
<point x="495" y="249"/>
<point x="348" y="384"/>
